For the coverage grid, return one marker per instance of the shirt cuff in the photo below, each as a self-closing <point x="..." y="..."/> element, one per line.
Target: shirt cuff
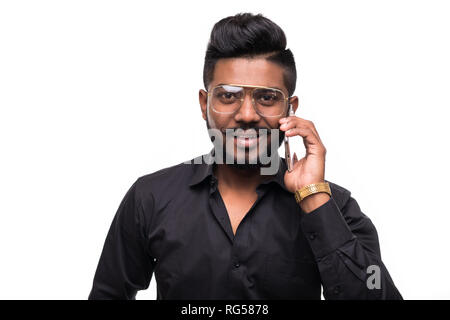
<point x="325" y="228"/>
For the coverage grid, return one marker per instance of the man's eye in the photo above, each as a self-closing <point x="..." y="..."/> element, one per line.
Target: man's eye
<point x="268" y="97"/>
<point x="226" y="95"/>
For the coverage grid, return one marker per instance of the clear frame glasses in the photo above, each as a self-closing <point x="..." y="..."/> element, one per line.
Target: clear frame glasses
<point x="267" y="102"/>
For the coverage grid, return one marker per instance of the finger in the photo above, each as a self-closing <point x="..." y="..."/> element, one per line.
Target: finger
<point x="293" y="117"/>
<point x="313" y="128"/>
<point x="312" y="144"/>
<point x="293" y="124"/>
<point x="288" y="125"/>
<point x="299" y="123"/>
<point x="288" y="118"/>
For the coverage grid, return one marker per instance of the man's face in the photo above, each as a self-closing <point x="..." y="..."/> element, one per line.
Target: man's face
<point x="243" y="71"/>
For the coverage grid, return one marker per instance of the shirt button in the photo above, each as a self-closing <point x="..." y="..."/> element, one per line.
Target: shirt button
<point x="312" y="236"/>
<point x="337" y="290"/>
<point x="236" y="265"/>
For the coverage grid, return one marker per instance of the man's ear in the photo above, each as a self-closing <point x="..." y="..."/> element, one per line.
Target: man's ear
<point x="294" y="102"/>
<point x="202" y="99"/>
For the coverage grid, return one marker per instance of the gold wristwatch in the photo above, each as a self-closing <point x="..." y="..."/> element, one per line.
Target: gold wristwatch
<point x="311" y="189"/>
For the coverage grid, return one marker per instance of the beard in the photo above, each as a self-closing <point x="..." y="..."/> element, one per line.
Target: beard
<point x="229" y="156"/>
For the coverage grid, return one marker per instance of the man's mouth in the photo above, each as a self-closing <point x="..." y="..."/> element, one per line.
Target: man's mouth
<point x="247" y="139"/>
<point x="246" y="142"/>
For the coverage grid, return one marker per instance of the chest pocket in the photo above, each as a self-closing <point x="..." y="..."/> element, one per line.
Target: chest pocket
<point x="287" y="278"/>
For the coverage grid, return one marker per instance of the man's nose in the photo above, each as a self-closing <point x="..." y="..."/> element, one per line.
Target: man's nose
<point x="246" y="112"/>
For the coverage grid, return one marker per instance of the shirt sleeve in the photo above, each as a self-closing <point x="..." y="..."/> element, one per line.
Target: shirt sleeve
<point x="346" y="247"/>
<point x="125" y="265"/>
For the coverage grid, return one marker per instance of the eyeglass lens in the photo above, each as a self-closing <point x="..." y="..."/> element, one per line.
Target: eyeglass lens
<point x="267" y="102"/>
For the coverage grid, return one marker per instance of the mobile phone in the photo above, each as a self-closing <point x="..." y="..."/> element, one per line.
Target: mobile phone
<point x="288" y="156"/>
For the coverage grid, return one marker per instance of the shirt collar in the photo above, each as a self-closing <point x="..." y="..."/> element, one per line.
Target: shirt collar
<point x="203" y="169"/>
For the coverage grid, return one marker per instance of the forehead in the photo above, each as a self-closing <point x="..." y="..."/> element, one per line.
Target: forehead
<point x="258" y="72"/>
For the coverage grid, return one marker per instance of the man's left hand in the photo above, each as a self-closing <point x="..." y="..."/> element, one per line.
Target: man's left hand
<point x="311" y="168"/>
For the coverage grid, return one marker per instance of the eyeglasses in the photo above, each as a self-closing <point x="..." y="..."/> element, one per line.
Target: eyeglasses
<point x="267" y="102"/>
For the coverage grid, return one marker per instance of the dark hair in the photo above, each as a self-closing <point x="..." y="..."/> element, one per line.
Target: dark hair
<point x="249" y="35"/>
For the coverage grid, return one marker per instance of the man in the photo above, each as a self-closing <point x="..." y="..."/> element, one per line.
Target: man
<point x="220" y="229"/>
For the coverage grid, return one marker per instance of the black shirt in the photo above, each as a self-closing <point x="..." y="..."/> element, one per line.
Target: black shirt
<point x="174" y="223"/>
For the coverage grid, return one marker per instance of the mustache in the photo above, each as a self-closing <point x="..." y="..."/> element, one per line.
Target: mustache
<point x="246" y="129"/>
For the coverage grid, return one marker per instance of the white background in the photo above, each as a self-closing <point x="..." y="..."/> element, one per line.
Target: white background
<point x="94" y="94"/>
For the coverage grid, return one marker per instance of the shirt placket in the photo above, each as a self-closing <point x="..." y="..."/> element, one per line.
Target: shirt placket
<point x="237" y="270"/>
